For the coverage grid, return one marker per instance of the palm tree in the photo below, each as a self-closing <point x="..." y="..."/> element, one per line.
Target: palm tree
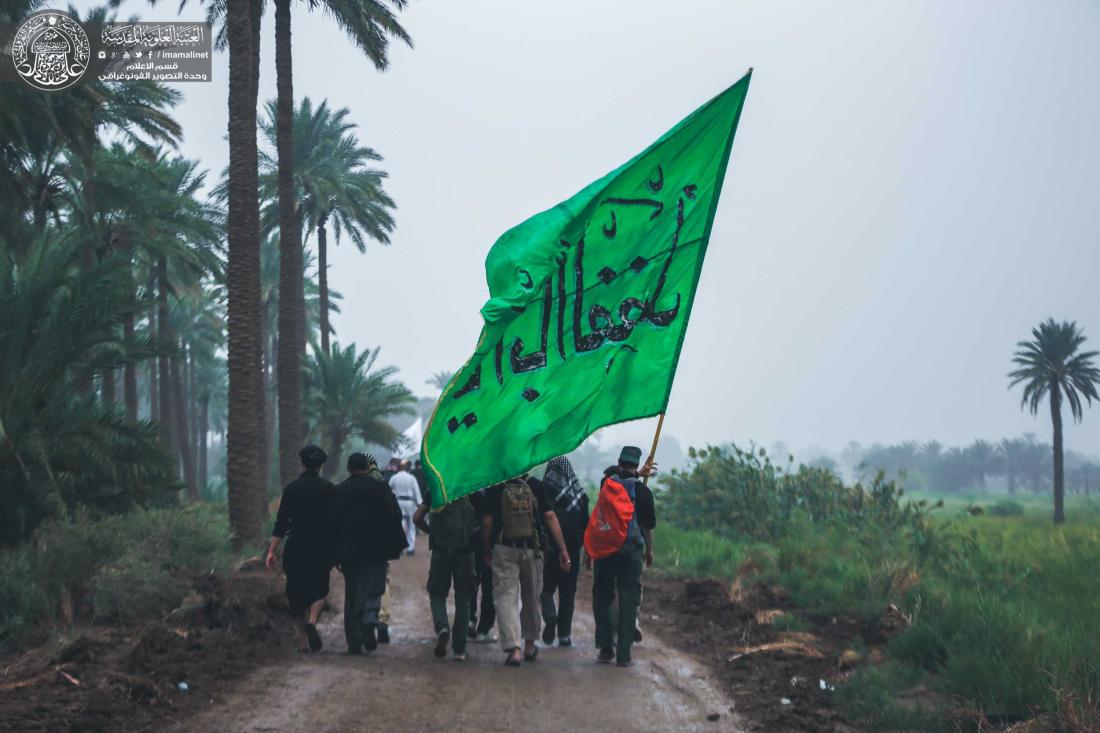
<point x="1051" y="365"/>
<point x="983" y="460"/>
<point x="333" y="183"/>
<point x="58" y="448"/>
<point x="440" y="380"/>
<point x="244" y="471"/>
<point x="1013" y="461"/>
<point x="371" y="24"/>
<point x="349" y="398"/>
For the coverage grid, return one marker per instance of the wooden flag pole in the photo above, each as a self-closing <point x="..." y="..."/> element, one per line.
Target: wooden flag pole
<point x="653" y="448"/>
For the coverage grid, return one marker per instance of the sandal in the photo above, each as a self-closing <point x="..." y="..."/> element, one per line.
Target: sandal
<point x="532" y="656"/>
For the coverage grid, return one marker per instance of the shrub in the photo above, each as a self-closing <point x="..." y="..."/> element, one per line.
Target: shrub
<point x="871" y="698"/>
<point x="742" y="495"/>
<point x="131" y="588"/>
<point x="118" y="567"/>
<point x="1005" y="508"/>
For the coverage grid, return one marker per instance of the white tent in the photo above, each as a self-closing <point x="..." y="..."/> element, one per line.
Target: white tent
<point x="414" y="434"/>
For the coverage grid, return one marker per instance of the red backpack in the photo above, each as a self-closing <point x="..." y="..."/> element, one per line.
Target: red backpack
<point x="611" y="521"/>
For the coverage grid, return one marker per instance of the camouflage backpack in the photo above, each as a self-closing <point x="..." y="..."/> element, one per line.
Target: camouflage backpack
<point x="517" y="505"/>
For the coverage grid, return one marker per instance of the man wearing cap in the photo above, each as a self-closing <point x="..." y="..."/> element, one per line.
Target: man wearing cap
<point x="366" y="521"/>
<point x="620" y="574"/>
<point x="303" y="519"/>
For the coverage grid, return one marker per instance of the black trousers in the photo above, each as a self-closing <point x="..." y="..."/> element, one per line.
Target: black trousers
<point x="554" y="579"/>
<point x="364" y="585"/>
<point x="488" y="613"/>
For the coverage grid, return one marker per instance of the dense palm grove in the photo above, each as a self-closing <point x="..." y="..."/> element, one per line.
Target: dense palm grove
<point x="163" y="332"/>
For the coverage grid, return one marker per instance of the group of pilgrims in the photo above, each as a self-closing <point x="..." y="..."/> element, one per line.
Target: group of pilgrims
<point x="518" y="544"/>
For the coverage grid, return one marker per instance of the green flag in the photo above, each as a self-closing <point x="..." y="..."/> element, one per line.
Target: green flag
<point x="589" y="302"/>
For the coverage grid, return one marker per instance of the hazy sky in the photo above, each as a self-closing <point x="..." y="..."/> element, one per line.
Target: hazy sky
<point x="913" y="186"/>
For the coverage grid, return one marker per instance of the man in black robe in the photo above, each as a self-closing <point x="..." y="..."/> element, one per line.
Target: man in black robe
<point x="303" y="519"/>
<point x="367" y="526"/>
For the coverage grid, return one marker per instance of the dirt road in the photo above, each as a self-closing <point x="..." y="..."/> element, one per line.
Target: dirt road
<point x="403" y="688"/>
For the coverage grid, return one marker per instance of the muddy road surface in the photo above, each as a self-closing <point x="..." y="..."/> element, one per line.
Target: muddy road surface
<point x="403" y="688"/>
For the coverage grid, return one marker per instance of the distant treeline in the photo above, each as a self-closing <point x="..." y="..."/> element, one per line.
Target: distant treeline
<point x="1012" y="465"/>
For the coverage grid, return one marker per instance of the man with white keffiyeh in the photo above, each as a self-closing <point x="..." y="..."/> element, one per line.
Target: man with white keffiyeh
<point x="571" y="507"/>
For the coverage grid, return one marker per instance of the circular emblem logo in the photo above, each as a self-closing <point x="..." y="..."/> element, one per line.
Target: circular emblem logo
<point x="50" y="51"/>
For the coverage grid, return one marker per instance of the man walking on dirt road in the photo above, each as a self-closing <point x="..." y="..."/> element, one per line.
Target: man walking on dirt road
<point x="407" y="490"/>
<point x="571" y="508"/>
<point x="515" y="507"/>
<point x="452" y="559"/>
<point x="620" y="573"/>
<point x="367" y="525"/>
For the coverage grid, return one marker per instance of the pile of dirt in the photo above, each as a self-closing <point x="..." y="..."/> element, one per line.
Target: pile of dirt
<point x="779" y="680"/>
<point x="142" y="677"/>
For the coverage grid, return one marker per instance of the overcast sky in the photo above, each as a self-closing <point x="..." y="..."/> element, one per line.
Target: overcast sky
<point x="913" y="186"/>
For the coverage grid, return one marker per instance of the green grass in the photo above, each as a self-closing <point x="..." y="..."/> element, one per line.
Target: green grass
<point x="116" y="568"/>
<point x="1006" y="608"/>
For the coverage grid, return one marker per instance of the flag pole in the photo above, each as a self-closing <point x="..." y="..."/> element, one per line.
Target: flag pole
<point x="653" y="448"/>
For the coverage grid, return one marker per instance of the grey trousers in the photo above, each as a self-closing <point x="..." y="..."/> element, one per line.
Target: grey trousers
<point x="364" y="585"/>
<point x="517" y="583"/>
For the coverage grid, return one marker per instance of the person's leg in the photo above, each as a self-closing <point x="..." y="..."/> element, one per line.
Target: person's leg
<point x="567" y="594"/>
<point x="439" y="585"/>
<point x="530" y="580"/>
<point x="506" y="597"/>
<point x="384" y="611"/>
<point x="464" y="587"/>
<point x="410" y="532"/>
<point x="629" y="588"/>
<point x="603" y="595"/>
<point x="374" y="589"/>
<point x="351" y="620"/>
<point x="310" y="628"/>
<point x="488" y="608"/>
<point x="472" y="628"/>
<point x="315" y="609"/>
<point x="550" y="575"/>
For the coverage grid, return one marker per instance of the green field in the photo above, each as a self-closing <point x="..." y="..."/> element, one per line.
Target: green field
<point x="1005" y="605"/>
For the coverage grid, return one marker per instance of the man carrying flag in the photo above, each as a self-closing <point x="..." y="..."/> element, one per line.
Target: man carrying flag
<point x="619" y="538"/>
<point x="589" y="304"/>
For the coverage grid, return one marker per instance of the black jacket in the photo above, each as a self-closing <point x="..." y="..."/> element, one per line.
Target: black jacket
<point x="366" y="521"/>
<point x="304" y="509"/>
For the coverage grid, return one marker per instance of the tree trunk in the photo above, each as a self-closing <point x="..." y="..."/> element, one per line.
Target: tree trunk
<point x="193" y="411"/>
<point x="270" y="437"/>
<point x="165" y="341"/>
<point x="266" y="416"/>
<point x="291" y="287"/>
<point x="186" y="454"/>
<point x="256" y="11"/>
<point x="336" y="450"/>
<point x="204" y="432"/>
<point x="154" y="391"/>
<point x="322" y="280"/>
<point x="129" y="373"/>
<point x="1059" y="468"/>
<point x="243" y="468"/>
